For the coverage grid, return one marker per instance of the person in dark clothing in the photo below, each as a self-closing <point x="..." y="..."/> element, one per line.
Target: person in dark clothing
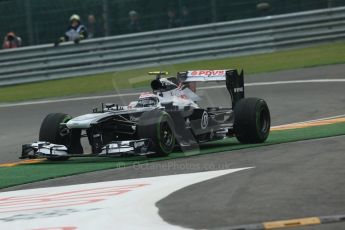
<point x="134" y="24"/>
<point x="11" y="41"/>
<point x="185" y="17"/>
<point x="173" y="20"/>
<point x="93" y="27"/>
<point x="75" y="32"/>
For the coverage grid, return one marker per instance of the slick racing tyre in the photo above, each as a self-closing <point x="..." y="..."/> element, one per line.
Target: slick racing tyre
<point x="51" y="132"/>
<point x="252" y="120"/>
<point x="157" y="126"/>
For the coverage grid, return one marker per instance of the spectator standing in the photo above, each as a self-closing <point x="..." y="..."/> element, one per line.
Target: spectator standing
<point x="185" y="17"/>
<point x="93" y="27"/>
<point x="134" y="22"/>
<point x="11" y="41"/>
<point x="173" y="20"/>
<point x="75" y="32"/>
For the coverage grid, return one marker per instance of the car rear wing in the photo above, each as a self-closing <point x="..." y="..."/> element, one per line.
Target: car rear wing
<point x="234" y="81"/>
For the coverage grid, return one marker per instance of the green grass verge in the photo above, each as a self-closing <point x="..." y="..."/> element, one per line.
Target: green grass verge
<point x="21" y="174"/>
<point x="333" y="53"/>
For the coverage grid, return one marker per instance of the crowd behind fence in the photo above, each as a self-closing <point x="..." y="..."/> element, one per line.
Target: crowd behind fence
<point x="43" y="21"/>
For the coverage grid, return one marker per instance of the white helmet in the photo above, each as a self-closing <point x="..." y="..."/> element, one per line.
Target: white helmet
<point x="75" y="17"/>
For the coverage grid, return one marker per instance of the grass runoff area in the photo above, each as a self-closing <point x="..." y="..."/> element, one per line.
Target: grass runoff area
<point x="327" y="54"/>
<point x="27" y="173"/>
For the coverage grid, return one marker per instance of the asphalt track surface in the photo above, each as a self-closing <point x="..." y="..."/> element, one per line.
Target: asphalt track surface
<point x="293" y="180"/>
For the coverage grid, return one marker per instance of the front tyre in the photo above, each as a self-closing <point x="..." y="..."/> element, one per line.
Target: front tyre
<point x="157" y="126"/>
<point x="52" y="132"/>
<point x="252" y="120"/>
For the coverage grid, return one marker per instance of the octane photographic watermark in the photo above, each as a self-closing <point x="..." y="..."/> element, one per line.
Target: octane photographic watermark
<point x="173" y="165"/>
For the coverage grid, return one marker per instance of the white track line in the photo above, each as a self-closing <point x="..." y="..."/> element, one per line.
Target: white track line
<point x="135" y="94"/>
<point x="279" y="83"/>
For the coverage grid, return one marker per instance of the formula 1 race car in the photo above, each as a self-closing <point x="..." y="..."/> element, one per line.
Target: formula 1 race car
<point x="160" y="121"/>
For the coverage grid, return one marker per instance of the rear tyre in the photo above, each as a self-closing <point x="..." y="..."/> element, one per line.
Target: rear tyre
<point x="52" y="132"/>
<point x="157" y="126"/>
<point x="252" y="120"/>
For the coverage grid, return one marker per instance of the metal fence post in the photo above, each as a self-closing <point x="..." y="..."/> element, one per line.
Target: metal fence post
<point x="214" y="10"/>
<point x="105" y="9"/>
<point x="29" y="27"/>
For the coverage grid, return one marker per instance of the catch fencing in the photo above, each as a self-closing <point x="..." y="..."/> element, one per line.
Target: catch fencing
<point x="165" y="47"/>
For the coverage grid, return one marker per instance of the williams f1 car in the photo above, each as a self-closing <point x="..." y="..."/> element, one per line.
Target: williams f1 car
<point x="166" y="118"/>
